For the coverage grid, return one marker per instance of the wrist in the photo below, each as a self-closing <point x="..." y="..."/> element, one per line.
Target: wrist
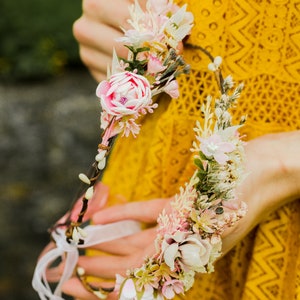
<point x="273" y="173"/>
<point x="273" y="180"/>
<point x="290" y="163"/>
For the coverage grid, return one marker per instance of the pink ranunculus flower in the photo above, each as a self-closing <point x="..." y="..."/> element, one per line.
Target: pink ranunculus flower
<point x="125" y="93"/>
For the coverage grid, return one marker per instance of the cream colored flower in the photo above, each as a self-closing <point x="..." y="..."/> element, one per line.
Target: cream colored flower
<point x="190" y="251"/>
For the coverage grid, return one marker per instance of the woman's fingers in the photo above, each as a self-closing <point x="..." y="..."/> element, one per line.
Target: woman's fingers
<point x="113" y="13"/>
<point x="96" y="44"/>
<point x="74" y="287"/>
<point x="96" y="32"/>
<point x="107" y="267"/>
<point x="143" y="211"/>
<point x="97" y="35"/>
<point x="128" y="244"/>
<point x="115" y="257"/>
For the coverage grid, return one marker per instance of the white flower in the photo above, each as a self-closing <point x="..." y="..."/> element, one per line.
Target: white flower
<point x="192" y="251"/>
<point x="179" y="26"/>
<point x="128" y="291"/>
<point x="228" y="82"/>
<point x="195" y="252"/>
<point x="135" y="37"/>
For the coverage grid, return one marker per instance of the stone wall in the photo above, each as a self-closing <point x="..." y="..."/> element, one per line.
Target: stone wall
<point x="49" y="133"/>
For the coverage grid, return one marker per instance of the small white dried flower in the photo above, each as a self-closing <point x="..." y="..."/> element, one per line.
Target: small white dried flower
<point x="214" y="66"/>
<point x="101" y="164"/>
<point x="228" y="81"/>
<point x="80" y="271"/>
<point x="100" y="294"/>
<point x="77" y="234"/>
<point x="84" y="178"/>
<point x="89" y="193"/>
<point x="100" y="156"/>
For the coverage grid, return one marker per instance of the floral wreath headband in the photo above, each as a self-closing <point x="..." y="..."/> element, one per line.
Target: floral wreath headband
<point x="188" y="238"/>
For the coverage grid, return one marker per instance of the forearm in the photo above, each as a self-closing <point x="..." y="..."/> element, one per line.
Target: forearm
<point x="273" y="180"/>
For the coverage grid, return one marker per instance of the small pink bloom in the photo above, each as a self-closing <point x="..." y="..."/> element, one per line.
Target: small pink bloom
<point x="215" y="147"/>
<point x="172" y="89"/>
<point x="172" y="287"/>
<point x="125" y="93"/>
<point x="125" y="287"/>
<point x="155" y="65"/>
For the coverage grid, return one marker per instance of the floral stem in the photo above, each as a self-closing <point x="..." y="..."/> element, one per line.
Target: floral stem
<point x="218" y="73"/>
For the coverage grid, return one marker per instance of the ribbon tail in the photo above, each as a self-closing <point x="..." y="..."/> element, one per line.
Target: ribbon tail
<point x="39" y="281"/>
<point x="70" y="263"/>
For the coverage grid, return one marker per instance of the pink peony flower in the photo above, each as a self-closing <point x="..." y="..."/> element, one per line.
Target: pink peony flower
<point x="125" y="93"/>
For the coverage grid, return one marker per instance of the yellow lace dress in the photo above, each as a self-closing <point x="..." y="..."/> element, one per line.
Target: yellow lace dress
<point x="260" y="43"/>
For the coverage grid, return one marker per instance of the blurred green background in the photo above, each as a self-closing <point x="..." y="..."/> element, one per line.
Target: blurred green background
<point x="49" y="129"/>
<point x="36" y="38"/>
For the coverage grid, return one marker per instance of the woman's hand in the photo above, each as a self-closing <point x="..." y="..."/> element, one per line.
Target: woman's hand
<point x="96" y="31"/>
<point x="273" y="168"/>
<point x="124" y="253"/>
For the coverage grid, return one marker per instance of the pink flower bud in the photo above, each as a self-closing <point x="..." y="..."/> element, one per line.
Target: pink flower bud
<point x="172" y="89"/>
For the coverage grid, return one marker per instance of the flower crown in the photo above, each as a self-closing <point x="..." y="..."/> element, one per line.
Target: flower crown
<point x="189" y="237"/>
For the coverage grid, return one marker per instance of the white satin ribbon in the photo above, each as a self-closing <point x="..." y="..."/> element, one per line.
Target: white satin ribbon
<point x="96" y="234"/>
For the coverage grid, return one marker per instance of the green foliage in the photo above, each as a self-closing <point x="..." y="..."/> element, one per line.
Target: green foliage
<point x="36" y="37"/>
<point x="134" y="63"/>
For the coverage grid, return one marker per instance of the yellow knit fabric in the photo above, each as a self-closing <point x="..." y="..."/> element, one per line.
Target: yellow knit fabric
<point x="259" y="41"/>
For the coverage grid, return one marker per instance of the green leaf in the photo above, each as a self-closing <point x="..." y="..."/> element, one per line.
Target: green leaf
<point x="203" y="156"/>
<point x="198" y="163"/>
